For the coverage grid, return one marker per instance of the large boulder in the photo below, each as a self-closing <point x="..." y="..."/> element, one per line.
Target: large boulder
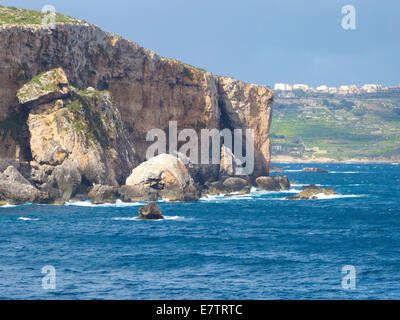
<point x="310" y="192"/>
<point x="66" y="178"/>
<point x="165" y="175"/>
<point x="15" y="189"/>
<point x="150" y="212"/>
<point x="229" y="185"/>
<point x="103" y="194"/>
<point x="138" y="193"/>
<point x="13" y="175"/>
<point x="273" y="183"/>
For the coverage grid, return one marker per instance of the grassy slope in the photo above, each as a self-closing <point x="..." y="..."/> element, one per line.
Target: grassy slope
<point x="15" y="16"/>
<point x="344" y="128"/>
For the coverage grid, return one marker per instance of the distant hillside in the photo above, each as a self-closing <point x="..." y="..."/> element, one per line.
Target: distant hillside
<point x="326" y="127"/>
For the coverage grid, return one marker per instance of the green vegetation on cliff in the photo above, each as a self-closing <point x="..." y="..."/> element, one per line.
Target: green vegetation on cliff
<point x="312" y="127"/>
<point x="11" y="16"/>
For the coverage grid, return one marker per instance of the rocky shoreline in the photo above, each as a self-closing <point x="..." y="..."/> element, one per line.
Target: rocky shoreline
<point x="79" y="149"/>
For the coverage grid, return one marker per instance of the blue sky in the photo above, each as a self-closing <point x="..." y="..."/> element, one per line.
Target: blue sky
<point x="262" y="42"/>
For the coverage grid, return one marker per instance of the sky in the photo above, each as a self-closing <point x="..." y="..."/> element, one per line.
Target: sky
<point x="257" y="41"/>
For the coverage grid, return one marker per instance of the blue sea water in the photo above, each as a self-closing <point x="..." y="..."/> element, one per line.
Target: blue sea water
<point x="257" y="246"/>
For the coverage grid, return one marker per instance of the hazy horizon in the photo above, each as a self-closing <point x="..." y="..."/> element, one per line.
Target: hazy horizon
<point x="261" y="42"/>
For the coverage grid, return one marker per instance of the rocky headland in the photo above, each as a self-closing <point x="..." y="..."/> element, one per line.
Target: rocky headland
<point x="76" y="105"/>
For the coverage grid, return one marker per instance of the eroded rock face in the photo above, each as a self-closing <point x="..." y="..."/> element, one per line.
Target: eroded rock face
<point x="311" y="192"/>
<point x="44" y="88"/>
<point x="150" y="212"/>
<point x="274" y="183"/>
<point x="79" y="139"/>
<point x="13" y="175"/>
<point x="244" y="106"/>
<point x="165" y="175"/>
<point x="149" y="90"/>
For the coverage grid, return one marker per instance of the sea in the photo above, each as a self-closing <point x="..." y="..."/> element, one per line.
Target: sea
<point x="254" y="246"/>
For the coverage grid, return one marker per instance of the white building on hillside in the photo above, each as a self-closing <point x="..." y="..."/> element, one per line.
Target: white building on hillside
<point x="283" y="87"/>
<point x="300" y="86"/>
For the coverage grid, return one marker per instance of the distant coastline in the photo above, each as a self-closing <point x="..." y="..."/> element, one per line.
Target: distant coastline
<point x="282" y="159"/>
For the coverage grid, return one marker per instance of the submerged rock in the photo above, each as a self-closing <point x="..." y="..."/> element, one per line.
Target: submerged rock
<point x="315" y="170"/>
<point x="166" y="176"/>
<point x="274" y="183"/>
<point x="150" y="212"/>
<point x="310" y="192"/>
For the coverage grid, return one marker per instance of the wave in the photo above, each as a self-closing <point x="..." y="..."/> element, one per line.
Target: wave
<point x="293" y="170"/>
<point x="254" y="194"/>
<point x="344" y="171"/>
<point x="8" y="206"/>
<point x="15" y="205"/>
<point x="322" y="196"/>
<point x="117" y="204"/>
<point x="28" y="219"/>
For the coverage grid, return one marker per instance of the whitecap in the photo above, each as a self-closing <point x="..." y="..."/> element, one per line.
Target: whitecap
<point x="261" y="192"/>
<point x="322" y="196"/>
<point x="8" y="206"/>
<point x="292" y="170"/>
<point x="15" y="205"/>
<point x="28" y="219"/>
<point x="344" y="172"/>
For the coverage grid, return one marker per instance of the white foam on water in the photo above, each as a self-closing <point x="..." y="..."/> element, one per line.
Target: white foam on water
<point x="15" y="205"/>
<point x="117" y="204"/>
<point x="322" y="196"/>
<point x="262" y="192"/>
<point x="28" y="219"/>
<point x="292" y="170"/>
<point x="344" y="171"/>
<point x="8" y="206"/>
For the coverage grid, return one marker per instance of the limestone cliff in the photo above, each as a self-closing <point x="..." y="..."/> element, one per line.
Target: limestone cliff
<point x="149" y="90"/>
<point x="77" y="138"/>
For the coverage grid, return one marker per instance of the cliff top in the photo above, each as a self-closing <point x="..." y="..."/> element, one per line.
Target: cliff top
<point x="11" y="16"/>
<point x="16" y="16"/>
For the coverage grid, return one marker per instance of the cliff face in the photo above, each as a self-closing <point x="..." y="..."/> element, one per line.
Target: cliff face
<point x="149" y="90"/>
